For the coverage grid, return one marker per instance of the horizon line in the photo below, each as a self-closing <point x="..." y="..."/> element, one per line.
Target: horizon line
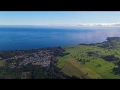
<point x="76" y="25"/>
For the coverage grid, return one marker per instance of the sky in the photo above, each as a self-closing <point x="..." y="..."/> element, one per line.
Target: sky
<point x="57" y="17"/>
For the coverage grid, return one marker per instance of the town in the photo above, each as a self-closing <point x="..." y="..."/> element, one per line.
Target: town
<point x="41" y="57"/>
<point x="32" y="64"/>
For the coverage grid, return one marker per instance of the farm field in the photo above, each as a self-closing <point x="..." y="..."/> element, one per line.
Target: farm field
<point x="90" y="61"/>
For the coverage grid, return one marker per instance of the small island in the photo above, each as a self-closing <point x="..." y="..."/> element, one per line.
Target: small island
<point x="83" y="61"/>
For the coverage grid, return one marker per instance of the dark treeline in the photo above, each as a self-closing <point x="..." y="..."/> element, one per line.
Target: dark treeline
<point x="57" y="51"/>
<point x="116" y="70"/>
<point x="110" y="58"/>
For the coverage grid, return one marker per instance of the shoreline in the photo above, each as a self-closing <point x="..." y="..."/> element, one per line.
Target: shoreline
<point x="72" y="58"/>
<point x="42" y="48"/>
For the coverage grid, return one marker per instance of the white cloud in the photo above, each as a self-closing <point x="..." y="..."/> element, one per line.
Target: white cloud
<point x="87" y="24"/>
<point x="99" y="24"/>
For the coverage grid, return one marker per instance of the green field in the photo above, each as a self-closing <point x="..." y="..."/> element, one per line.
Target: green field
<point x="2" y="63"/>
<point x="79" y="64"/>
<point x="70" y="66"/>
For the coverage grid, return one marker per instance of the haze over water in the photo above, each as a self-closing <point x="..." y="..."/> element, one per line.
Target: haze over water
<point x="32" y="37"/>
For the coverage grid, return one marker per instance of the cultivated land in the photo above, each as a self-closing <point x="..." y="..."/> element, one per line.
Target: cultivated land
<point x="92" y="60"/>
<point x="70" y="66"/>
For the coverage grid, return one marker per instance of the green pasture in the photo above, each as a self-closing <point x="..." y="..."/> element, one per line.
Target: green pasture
<point x="78" y="62"/>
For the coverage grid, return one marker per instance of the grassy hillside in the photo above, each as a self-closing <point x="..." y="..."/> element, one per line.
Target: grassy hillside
<point x="86" y="61"/>
<point x="70" y="66"/>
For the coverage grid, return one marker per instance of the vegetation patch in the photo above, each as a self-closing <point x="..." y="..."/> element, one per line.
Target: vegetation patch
<point x="2" y="63"/>
<point x="103" y="61"/>
<point x="70" y="66"/>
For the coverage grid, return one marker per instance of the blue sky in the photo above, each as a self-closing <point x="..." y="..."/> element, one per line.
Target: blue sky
<point x="57" y="17"/>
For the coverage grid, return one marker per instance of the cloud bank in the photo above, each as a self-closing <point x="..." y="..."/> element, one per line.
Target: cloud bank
<point x="89" y="24"/>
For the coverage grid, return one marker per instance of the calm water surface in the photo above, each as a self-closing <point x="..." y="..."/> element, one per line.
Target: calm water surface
<point x="31" y="37"/>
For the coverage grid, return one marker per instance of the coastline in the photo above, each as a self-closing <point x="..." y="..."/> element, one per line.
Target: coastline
<point x="62" y="46"/>
<point x="78" y="61"/>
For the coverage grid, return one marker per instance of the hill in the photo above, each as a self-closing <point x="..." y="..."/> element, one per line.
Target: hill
<point x="99" y="60"/>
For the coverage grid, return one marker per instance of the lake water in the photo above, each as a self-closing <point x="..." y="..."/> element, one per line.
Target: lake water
<point x="32" y="37"/>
